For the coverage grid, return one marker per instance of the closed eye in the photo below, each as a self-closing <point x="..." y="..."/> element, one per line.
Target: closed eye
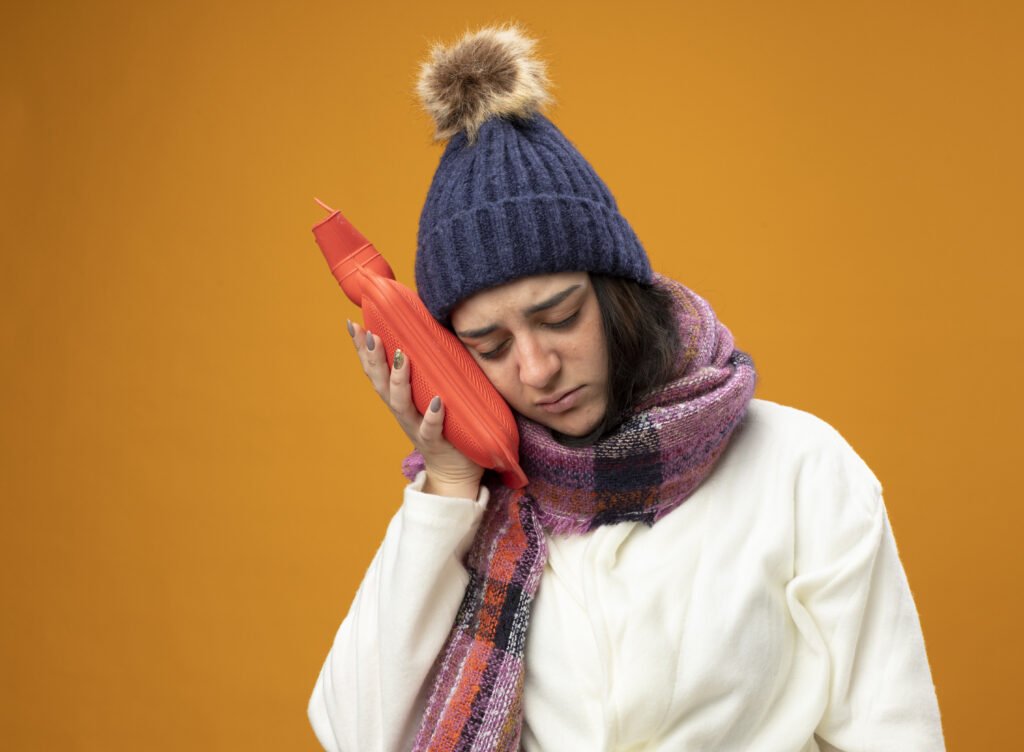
<point x="563" y="324"/>
<point x="492" y="354"/>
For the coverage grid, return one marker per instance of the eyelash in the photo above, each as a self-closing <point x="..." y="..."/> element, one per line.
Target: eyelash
<point x="564" y="323"/>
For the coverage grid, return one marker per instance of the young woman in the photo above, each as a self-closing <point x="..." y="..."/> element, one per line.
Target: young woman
<point x="689" y="568"/>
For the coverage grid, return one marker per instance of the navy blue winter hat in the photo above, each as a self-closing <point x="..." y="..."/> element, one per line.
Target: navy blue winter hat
<point x="511" y="197"/>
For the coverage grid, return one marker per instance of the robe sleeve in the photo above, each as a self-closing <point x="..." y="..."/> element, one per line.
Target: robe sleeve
<point x="372" y="689"/>
<point x="851" y="598"/>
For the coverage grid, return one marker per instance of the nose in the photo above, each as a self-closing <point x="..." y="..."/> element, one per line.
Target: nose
<point x="538" y="363"/>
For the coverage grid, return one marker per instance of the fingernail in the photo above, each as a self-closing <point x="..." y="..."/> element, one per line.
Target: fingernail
<point x="369" y="341"/>
<point x="435" y="404"/>
<point x="399" y="359"/>
<point x="351" y="331"/>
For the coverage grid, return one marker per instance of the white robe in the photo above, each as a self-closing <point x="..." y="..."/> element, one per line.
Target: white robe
<point x="769" y="612"/>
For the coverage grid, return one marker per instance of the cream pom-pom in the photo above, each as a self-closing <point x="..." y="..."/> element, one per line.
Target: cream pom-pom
<point x="489" y="72"/>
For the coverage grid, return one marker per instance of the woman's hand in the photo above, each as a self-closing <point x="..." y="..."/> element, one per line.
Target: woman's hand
<point x="449" y="472"/>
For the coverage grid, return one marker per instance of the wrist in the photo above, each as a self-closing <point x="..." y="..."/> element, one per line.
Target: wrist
<point x="460" y="489"/>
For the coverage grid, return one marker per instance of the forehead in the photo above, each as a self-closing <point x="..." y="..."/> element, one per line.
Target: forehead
<point x="512" y="297"/>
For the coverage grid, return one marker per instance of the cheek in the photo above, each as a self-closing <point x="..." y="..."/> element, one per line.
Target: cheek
<point x="596" y="355"/>
<point x="503" y="382"/>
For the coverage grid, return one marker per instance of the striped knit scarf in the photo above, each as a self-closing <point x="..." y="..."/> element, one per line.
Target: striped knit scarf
<point x="640" y="472"/>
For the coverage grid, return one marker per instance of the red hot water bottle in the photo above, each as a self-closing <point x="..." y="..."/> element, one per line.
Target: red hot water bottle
<point x="477" y="422"/>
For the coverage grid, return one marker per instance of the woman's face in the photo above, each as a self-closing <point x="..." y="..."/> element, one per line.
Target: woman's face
<point x="541" y="343"/>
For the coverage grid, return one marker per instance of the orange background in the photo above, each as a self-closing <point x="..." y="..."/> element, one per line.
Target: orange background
<point x="194" y="471"/>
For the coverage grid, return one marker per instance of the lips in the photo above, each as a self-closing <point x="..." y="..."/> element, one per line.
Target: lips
<point x="553" y="400"/>
<point x="564" y="402"/>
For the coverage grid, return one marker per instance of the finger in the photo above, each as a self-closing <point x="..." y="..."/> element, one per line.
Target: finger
<point x="374" y="363"/>
<point x="357" y="334"/>
<point x="433" y="421"/>
<point x="399" y="388"/>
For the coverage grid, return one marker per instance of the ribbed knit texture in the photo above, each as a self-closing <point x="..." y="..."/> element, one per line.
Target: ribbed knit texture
<point x="640" y="472"/>
<point x="519" y="201"/>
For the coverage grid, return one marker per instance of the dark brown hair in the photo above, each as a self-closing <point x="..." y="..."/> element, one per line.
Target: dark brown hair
<point x="642" y="343"/>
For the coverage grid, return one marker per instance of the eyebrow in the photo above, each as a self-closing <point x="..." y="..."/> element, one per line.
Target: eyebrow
<point x="537" y="307"/>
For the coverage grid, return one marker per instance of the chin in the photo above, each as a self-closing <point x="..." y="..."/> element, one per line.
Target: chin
<point x="575" y="428"/>
<point x="572" y="425"/>
<point x="577" y="422"/>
